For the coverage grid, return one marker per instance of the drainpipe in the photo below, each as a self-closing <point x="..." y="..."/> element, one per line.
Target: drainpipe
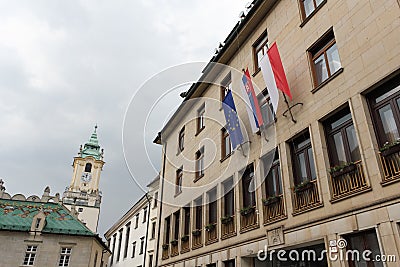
<point x="147" y="229"/>
<point x="161" y="189"/>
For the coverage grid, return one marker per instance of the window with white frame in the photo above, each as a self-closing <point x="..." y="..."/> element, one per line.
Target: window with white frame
<point x="30" y="255"/>
<point x="65" y="257"/>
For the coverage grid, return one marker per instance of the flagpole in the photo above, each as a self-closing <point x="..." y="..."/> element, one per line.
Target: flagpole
<point x="289" y="108"/>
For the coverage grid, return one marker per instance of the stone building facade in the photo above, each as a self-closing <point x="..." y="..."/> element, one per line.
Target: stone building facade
<point x="325" y="180"/>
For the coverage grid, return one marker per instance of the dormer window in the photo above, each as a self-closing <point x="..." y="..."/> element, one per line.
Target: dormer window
<point x="88" y="167"/>
<point x="38" y="220"/>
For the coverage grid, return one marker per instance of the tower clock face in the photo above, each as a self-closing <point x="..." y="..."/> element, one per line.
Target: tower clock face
<point x="86" y="177"/>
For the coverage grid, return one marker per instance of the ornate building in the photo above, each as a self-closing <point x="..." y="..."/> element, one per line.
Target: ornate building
<point x="83" y="194"/>
<point x="40" y="231"/>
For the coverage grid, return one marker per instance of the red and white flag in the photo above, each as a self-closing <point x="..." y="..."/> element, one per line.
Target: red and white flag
<point x="274" y="75"/>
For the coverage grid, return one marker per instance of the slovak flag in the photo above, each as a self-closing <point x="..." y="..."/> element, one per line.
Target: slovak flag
<point x="274" y="75"/>
<point x="252" y="105"/>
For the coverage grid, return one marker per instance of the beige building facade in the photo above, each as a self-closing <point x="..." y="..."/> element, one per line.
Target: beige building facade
<point x="326" y="180"/>
<point x="40" y="231"/>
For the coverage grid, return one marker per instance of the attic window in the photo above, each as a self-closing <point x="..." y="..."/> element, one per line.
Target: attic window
<point x="38" y="220"/>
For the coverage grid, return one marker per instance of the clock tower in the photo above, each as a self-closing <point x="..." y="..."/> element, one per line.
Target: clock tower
<point x="83" y="194"/>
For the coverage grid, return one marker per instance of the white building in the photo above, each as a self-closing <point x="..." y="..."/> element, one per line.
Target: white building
<point x="132" y="239"/>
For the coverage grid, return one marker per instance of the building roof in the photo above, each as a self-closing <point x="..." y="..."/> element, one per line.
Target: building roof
<point x="92" y="148"/>
<point x="16" y="215"/>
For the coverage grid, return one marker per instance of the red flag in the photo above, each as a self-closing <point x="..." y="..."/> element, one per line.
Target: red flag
<point x="279" y="72"/>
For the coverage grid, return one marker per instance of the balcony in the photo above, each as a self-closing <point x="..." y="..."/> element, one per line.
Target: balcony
<point x="228" y="228"/>
<point x="174" y="248"/>
<point x="165" y="251"/>
<point x="248" y="219"/>
<point x="185" y="244"/>
<point x="390" y="161"/>
<point x="197" y="238"/>
<point x="348" y="180"/>
<point x="306" y="197"/>
<point x="274" y="209"/>
<point x="211" y="233"/>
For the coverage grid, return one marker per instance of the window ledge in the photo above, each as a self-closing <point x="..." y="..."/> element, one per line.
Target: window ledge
<point x="198" y="178"/>
<point x="199" y="130"/>
<point x="179" y="151"/>
<point x="312" y="14"/>
<point x="256" y="72"/>
<point x="227" y="156"/>
<point x="178" y="193"/>
<point x="339" y="71"/>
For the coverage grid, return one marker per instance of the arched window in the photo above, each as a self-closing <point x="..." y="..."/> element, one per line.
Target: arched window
<point x="88" y="167"/>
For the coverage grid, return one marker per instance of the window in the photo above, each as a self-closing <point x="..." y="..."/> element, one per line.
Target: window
<point x="177" y="216"/>
<point x="324" y="55"/>
<point x="342" y="140"/>
<point x="95" y="259"/>
<point x="200" y="163"/>
<point x="186" y="223"/>
<point x="229" y="198"/>
<point x="65" y="257"/>
<point x="167" y="229"/>
<point x="309" y="7"/>
<point x="178" y="182"/>
<point x="128" y="229"/>
<point x="119" y="244"/>
<point x="226" y="86"/>
<point x="145" y="214"/>
<point x="385" y="106"/>
<point x="137" y="221"/>
<point x="80" y="209"/>
<point x="361" y="242"/>
<point x="150" y="260"/>
<point x="30" y="255"/>
<point x="212" y="206"/>
<point x="133" y="249"/>
<point x="155" y="200"/>
<point x="226" y="147"/>
<point x="181" y="139"/>
<point x="38" y="220"/>
<point x="248" y="196"/>
<point x="272" y="174"/>
<point x="113" y="248"/>
<point x="230" y="263"/>
<point x="266" y="108"/>
<point x="260" y="48"/>
<point x="200" y="118"/>
<point x="199" y="213"/>
<point x="141" y="245"/>
<point x="303" y="159"/>
<point x="88" y="167"/>
<point x="153" y="230"/>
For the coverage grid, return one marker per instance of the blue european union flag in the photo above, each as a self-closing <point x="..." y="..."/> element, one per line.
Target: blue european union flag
<point x="232" y="120"/>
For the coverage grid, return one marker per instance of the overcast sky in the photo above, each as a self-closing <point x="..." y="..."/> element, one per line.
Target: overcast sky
<point x="67" y="65"/>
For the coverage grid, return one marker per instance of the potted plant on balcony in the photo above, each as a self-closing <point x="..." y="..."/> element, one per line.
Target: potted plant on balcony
<point x="340" y="170"/>
<point x="227" y="219"/>
<point x="210" y="227"/>
<point x="196" y="232"/>
<point x="306" y="184"/>
<point x="270" y="200"/>
<point x="390" y="148"/>
<point x="185" y="238"/>
<point x="247" y="211"/>
<point x="174" y="242"/>
<point x="165" y="246"/>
